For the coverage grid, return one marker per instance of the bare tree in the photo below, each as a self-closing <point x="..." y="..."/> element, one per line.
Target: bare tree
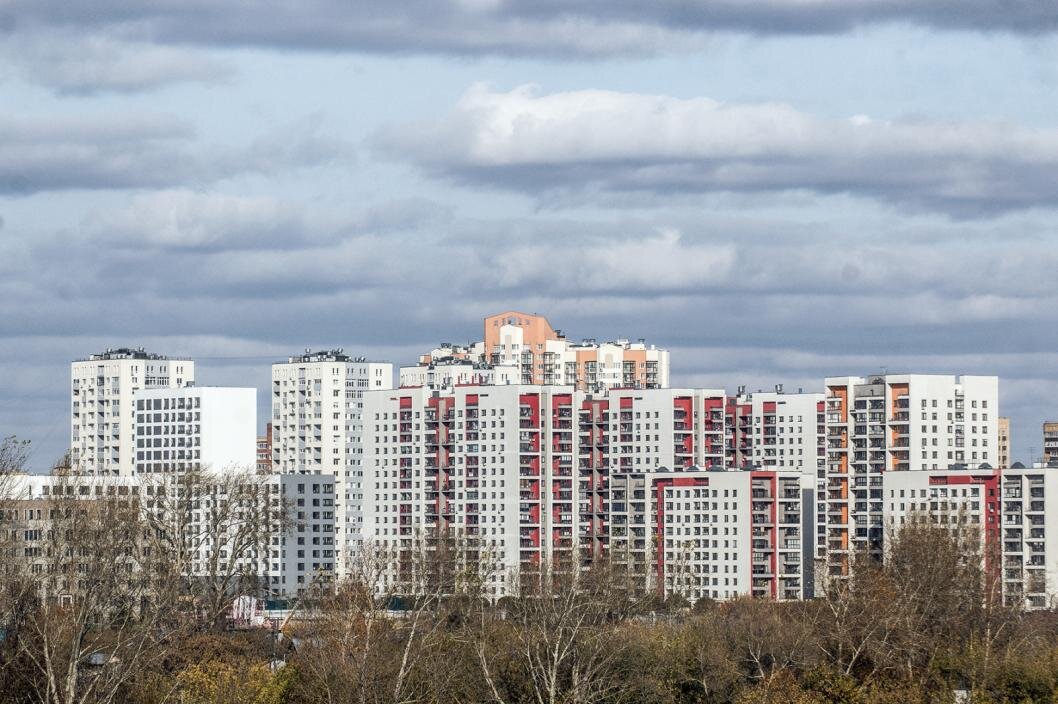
<point x="92" y="622"/>
<point x="555" y="639"/>
<point x="209" y="536"/>
<point x="385" y="634"/>
<point x="13" y="492"/>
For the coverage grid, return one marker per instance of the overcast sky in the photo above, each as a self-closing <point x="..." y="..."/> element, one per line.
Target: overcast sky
<point x="775" y="190"/>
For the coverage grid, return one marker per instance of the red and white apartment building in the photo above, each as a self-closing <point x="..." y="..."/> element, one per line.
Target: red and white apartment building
<point x="1007" y="508"/>
<point x="714" y="534"/>
<point x="535" y="474"/>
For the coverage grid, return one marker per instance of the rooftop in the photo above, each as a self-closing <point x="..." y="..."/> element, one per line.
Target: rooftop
<point x="335" y="355"/>
<point x="123" y="353"/>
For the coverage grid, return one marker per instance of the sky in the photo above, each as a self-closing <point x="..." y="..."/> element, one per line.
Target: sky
<point x="774" y="190"/>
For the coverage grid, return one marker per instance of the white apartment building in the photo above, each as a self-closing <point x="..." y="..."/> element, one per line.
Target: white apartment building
<point x="632" y="430"/>
<point x="891" y="423"/>
<point x="101" y="405"/>
<point x="1029" y="539"/>
<point x="304" y="553"/>
<point x="787" y="431"/>
<point x="450" y="372"/>
<point x="714" y="534"/>
<point x="317" y="401"/>
<point x="961" y="500"/>
<point x="525" y="472"/>
<point x="195" y="427"/>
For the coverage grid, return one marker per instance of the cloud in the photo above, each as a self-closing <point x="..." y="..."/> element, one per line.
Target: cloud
<point x="598" y="144"/>
<point x="583" y="28"/>
<point x="71" y="63"/>
<point x="187" y="220"/>
<point x="145" y="151"/>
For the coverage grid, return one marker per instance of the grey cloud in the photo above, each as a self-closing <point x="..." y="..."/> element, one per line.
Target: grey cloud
<point x="144" y="151"/>
<point x="72" y="63"/>
<point x="507" y="27"/>
<point x="185" y="222"/>
<point x="592" y="144"/>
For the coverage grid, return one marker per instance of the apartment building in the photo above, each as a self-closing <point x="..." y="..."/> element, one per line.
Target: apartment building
<point x="195" y="427"/>
<point x="317" y="401"/>
<point x="1050" y="442"/>
<point x="897" y="422"/>
<point x="101" y="405"/>
<point x="296" y="509"/>
<point x="446" y="372"/>
<point x="1007" y="508"/>
<point x="960" y="499"/>
<point x="264" y="451"/>
<point x="525" y="472"/>
<point x="1003" y="453"/>
<point x="543" y="355"/>
<point x="706" y="428"/>
<point x="1029" y="539"/>
<point x="491" y="466"/>
<point x="714" y="534"/>
<point x="303" y="554"/>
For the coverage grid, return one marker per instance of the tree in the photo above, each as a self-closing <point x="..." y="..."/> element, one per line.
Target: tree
<point x="209" y="536"/>
<point x="554" y="642"/>
<point x="389" y="632"/>
<point x="91" y="621"/>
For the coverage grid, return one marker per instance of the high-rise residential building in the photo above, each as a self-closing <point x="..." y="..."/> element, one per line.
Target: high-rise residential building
<point x="186" y="428"/>
<point x="490" y="466"/>
<point x="1050" y="442"/>
<point x="525" y="472"/>
<point x="264" y="450"/>
<point x="317" y="400"/>
<point x="1029" y="539"/>
<point x="785" y="431"/>
<point x="718" y="535"/>
<point x="1008" y="511"/>
<point x="102" y="416"/>
<point x="1003" y="453"/>
<point x="897" y="422"/>
<point x="543" y="355"/>
<point x="305" y="552"/>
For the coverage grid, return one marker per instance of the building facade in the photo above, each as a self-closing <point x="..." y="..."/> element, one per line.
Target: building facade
<point x="296" y="512"/>
<point x="714" y="534"/>
<point x="543" y="356"/>
<point x="195" y="427"/>
<point x="896" y="423"/>
<point x="1050" y="442"/>
<point x="102" y="416"/>
<point x="1003" y="453"/>
<point x="304" y="553"/>
<point x="317" y="402"/>
<point x="526" y="473"/>
<point x="1006" y="508"/>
